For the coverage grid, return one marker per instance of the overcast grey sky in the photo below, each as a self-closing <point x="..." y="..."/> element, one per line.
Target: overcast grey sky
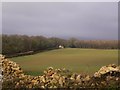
<point x="89" y="20"/>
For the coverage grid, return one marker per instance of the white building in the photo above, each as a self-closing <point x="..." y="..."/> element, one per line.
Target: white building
<point x="61" y="47"/>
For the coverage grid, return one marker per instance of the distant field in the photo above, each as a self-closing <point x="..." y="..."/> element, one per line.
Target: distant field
<point x="77" y="60"/>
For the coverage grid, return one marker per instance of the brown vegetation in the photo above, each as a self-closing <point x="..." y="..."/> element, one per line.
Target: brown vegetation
<point x="16" y="45"/>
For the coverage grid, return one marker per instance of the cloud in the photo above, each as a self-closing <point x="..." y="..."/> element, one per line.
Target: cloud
<point x="80" y="20"/>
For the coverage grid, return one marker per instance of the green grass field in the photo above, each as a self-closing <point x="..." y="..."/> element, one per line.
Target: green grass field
<point x="77" y="60"/>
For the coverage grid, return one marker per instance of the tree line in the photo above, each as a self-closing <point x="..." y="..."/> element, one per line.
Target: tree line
<point x="14" y="44"/>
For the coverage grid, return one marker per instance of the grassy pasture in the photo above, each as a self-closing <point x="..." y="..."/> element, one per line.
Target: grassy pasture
<point x="75" y="59"/>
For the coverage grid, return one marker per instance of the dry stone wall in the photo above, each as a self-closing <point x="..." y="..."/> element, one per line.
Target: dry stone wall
<point x="13" y="77"/>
